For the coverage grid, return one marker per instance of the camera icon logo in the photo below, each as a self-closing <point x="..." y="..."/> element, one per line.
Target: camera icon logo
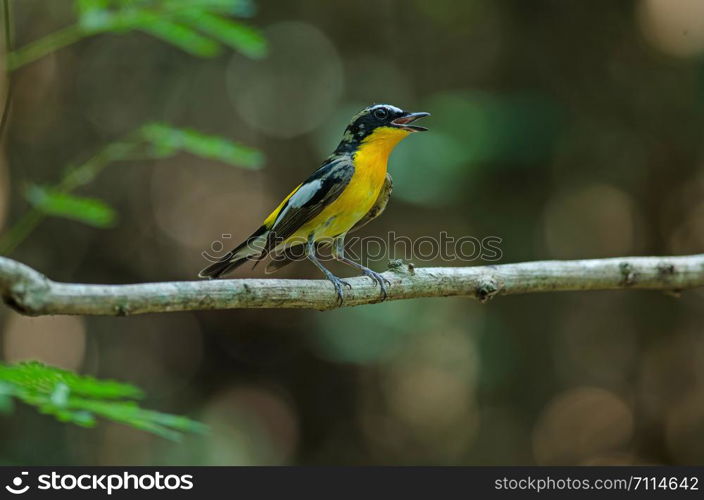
<point x="16" y="488"/>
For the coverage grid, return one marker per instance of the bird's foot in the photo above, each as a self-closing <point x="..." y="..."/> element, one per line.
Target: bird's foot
<point x="380" y="280"/>
<point x="338" y="284"/>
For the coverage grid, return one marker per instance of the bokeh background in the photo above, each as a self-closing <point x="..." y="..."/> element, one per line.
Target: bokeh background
<point x="567" y="129"/>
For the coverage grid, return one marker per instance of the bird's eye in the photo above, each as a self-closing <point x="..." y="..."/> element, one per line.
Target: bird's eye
<point x="381" y="113"/>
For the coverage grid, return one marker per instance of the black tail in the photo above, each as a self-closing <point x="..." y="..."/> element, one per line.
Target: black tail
<point x="253" y="248"/>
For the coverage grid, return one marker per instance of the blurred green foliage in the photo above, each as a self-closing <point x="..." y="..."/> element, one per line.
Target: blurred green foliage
<point x="199" y="27"/>
<point x="79" y="399"/>
<point x="196" y="26"/>
<point x="166" y="140"/>
<point x="152" y="141"/>
<point x="52" y="202"/>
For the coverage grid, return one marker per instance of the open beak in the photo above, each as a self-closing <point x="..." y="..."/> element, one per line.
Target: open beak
<point x="404" y="122"/>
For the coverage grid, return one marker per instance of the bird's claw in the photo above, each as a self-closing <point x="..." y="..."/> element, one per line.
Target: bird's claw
<point x="376" y="277"/>
<point x="380" y="280"/>
<point x="338" y="283"/>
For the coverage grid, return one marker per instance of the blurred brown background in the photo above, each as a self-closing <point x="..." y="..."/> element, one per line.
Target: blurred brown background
<point x="568" y="129"/>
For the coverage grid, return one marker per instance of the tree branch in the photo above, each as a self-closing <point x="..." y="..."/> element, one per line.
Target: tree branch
<point x="32" y="293"/>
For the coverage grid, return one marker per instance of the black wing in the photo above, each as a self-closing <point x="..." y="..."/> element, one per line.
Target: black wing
<point x="317" y="192"/>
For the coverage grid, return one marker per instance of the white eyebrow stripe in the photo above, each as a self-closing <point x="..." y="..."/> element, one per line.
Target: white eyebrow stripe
<point x="388" y="106"/>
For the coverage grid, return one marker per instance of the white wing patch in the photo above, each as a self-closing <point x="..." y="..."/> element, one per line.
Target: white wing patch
<point x="300" y="197"/>
<point x="304" y="194"/>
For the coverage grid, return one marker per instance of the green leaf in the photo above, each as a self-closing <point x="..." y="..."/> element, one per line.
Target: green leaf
<point x="78" y="399"/>
<point x="131" y="414"/>
<point x="83" y="6"/>
<point x="159" y="18"/>
<point x="181" y="36"/>
<point x="167" y="140"/>
<point x="232" y="33"/>
<point x="90" y="211"/>
<point x="40" y="378"/>
<point x="239" y="8"/>
<point x="95" y="16"/>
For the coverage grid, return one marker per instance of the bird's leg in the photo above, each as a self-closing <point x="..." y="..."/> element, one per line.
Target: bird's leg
<point x="337" y="282"/>
<point x="338" y="254"/>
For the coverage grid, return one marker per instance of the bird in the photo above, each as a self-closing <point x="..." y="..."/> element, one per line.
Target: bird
<point x="351" y="188"/>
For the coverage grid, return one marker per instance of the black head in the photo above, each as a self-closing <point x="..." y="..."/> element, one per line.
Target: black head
<point x="375" y="118"/>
